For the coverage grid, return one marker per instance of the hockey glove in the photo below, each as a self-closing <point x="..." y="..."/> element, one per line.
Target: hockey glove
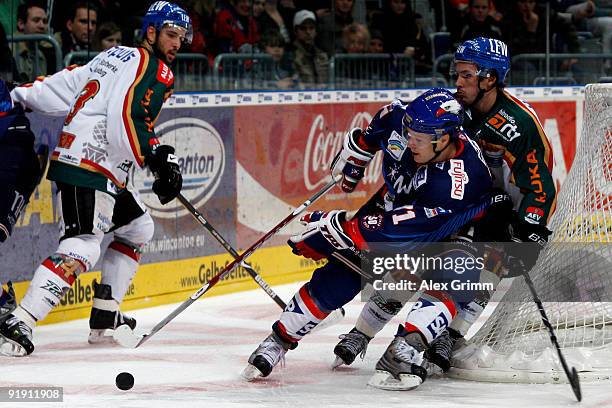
<point x="523" y="257"/>
<point x="351" y="161"/>
<point x="323" y="235"/>
<point x="165" y="168"/>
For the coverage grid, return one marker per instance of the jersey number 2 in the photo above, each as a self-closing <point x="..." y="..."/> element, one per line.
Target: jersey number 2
<point x="88" y="92"/>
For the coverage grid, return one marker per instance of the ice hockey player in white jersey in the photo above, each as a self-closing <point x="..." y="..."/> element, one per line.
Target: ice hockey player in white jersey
<point x="436" y="181"/>
<point x="110" y="106"/>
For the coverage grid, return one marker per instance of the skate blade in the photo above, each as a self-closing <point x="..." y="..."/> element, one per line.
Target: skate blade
<point x="125" y="336"/>
<point x="385" y="381"/>
<point x="337" y="363"/>
<point x="10" y="348"/>
<point x="250" y="373"/>
<point x="101" y="337"/>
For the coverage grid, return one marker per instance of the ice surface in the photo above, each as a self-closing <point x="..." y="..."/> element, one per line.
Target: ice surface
<point x="196" y="361"/>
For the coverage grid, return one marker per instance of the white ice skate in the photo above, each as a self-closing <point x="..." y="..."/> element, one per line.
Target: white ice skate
<point x="399" y="369"/>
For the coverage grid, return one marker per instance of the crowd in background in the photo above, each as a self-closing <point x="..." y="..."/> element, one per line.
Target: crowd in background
<point x="302" y="36"/>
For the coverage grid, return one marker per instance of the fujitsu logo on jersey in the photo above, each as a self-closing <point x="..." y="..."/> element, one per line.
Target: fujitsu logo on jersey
<point x="459" y="178"/>
<point x="164" y="74"/>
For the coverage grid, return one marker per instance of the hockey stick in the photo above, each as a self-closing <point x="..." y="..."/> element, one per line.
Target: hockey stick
<point x="124" y="335"/>
<point x="573" y="375"/>
<point x="331" y="319"/>
<point x="256" y="277"/>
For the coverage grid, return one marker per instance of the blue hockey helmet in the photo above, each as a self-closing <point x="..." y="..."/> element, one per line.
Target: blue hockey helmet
<point x="488" y="54"/>
<point x="163" y="13"/>
<point x="435" y="112"/>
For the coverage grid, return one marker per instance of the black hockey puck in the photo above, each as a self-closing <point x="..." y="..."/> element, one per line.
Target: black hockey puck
<point x="124" y="381"/>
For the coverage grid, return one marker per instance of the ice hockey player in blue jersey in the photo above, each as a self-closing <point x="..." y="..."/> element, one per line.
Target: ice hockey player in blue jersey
<point x="20" y="172"/>
<point x="436" y="181"/>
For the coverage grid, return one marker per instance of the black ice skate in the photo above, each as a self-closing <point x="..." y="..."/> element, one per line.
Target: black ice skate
<point x="269" y="353"/>
<point x="351" y="345"/>
<point x="15" y="337"/>
<point x="105" y="315"/>
<point x="439" y="353"/>
<point x="400" y="368"/>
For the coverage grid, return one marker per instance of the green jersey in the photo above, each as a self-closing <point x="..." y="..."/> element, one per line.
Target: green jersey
<point x="512" y="130"/>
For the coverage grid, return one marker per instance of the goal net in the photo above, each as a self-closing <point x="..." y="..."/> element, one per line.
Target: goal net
<point x="573" y="277"/>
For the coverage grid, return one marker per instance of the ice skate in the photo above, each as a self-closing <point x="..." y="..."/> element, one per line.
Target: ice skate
<point x="351" y="345"/>
<point x="105" y="316"/>
<point x="400" y="368"/>
<point x="269" y="353"/>
<point x="437" y="357"/>
<point x="15" y="337"/>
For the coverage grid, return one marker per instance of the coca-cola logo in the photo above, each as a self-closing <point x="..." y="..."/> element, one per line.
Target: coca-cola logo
<point x="322" y="145"/>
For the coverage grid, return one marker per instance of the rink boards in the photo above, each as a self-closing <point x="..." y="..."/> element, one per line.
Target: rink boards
<point x="247" y="160"/>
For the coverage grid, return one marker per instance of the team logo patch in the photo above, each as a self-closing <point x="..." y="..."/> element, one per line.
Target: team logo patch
<point x="420" y="177"/>
<point x="396" y="146"/>
<point x="372" y="222"/>
<point x="459" y="178"/>
<point x="164" y="74"/>
<point x="534" y="215"/>
<point x="65" y="140"/>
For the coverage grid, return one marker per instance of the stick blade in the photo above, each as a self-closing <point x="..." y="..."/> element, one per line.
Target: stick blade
<point x="575" y="383"/>
<point x="125" y="337"/>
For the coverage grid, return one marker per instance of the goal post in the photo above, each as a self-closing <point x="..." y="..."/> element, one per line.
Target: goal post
<point x="573" y="277"/>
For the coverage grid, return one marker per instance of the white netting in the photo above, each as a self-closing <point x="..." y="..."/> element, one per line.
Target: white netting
<point x="573" y="277"/>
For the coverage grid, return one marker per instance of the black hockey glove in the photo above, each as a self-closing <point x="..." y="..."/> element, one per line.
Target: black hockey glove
<point x="528" y="240"/>
<point x="168" y="179"/>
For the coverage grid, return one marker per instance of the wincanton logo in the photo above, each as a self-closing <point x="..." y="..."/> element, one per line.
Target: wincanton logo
<point x="505" y="125"/>
<point x="459" y="178"/>
<point x="200" y="152"/>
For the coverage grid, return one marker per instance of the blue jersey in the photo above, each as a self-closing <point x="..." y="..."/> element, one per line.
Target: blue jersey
<point x="424" y="203"/>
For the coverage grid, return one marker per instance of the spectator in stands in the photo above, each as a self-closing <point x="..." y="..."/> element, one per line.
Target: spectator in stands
<point x="310" y="63"/>
<point x="477" y="23"/>
<point x="108" y="35"/>
<point x="33" y="58"/>
<point x="273" y="44"/>
<point x="79" y="28"/>
<point x="235" y="27"/>
<point x="422" y="47"/>
<point x="587" y="16"/>
<point x="398" y="26"/>
<point x="272" y="20"/>
<point x="331" y="25"/>
<point x="377" y="43"/>
<point x="524" y="30"/>
<point x="355" y="39"/>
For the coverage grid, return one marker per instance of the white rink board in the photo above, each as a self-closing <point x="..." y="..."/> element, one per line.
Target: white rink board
<point x="196" y="361"/>
<point x="187" y="99"/>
